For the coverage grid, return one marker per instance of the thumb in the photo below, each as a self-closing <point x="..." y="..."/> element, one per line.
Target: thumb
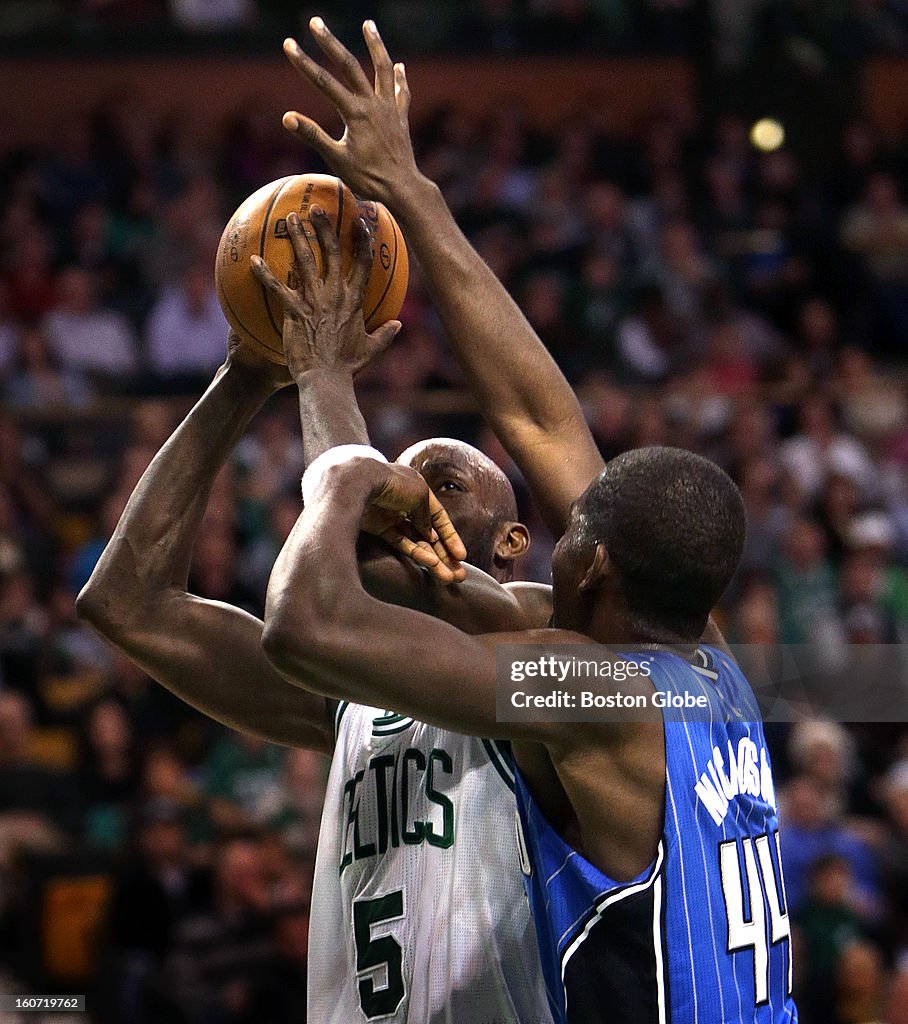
<point x="379" y="340"/>
<point x="311" y="134"/>
<point x="421" y="518"/>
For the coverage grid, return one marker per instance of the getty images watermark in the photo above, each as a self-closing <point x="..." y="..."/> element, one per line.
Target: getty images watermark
<point x="567" y="682"/>
<point x="614" y="671"/>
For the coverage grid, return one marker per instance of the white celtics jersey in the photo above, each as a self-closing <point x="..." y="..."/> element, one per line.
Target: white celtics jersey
<point x="418" y="908"/>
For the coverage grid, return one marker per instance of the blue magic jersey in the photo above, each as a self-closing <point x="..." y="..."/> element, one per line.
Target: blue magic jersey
<point x="702" y="935"/>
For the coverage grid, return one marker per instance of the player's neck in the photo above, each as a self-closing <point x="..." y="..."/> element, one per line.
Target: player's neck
<point x="609" y="622"/>
<point x="612" y="623"/>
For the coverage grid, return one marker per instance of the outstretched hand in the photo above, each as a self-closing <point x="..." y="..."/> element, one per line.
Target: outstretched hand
<point x="375" y="155"/>
<point x="323" y="316"/>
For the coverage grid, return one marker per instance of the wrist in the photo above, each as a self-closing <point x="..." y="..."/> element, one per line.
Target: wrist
<point x="257" y="382"/>
<point x="355" y="470"/>
<point x="321" y="377"/>
<point x="355" y="483"/>
<point x="413" y="198"/>
<point x="250" y="384"/>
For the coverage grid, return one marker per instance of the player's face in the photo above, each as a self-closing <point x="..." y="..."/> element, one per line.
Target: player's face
<point x="570" y="563"/>
<point x="459" y="484"/>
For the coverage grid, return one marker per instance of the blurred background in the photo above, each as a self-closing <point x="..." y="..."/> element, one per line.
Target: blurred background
<point x="701" y="207"/>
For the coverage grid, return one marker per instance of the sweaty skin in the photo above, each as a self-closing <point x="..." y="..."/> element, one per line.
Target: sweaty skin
<point x="476" y="490"/>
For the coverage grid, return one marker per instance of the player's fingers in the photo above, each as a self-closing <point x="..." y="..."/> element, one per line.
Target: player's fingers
<point x="419" y="515"/>
<point x="327" y="239"/>
<point x="441" y="569"/>
<point x="312" y="134"/>
<point x="302" y="253"/>
<point x="443" y="573"/>
<point x="320" y="77"/>
<point x="348" y="66"/>
<point x="458" y="572"/>
<point x="362" y="261"/>
<point x="419" y="551"/>
<point x="265" y="277"/>
<point x="441" y="522"/>
<point x="401" y="92"/>
<point x="381" y="62"/>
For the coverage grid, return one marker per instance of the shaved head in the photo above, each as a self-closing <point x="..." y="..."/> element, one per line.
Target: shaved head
<point x="475" y="491"/>
<point x="673" y="525"/>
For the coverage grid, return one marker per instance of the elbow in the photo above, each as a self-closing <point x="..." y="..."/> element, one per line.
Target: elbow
<point x="289" y="639"/>
<point x="281" y="648"/>
<point x="94" y="605"/>
<point x="86" y="604"/>
<point x="113" y="612"/>
<point x="541" y="423"/>
<point x="301" y="663"/>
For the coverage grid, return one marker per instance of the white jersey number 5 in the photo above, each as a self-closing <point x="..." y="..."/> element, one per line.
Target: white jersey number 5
<point x="378" y="996"/>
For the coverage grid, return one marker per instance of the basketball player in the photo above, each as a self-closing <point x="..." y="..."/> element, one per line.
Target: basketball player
<point x="446" y="827"/>
<point x="643" y="837"/>
<point x="640" y="847"/>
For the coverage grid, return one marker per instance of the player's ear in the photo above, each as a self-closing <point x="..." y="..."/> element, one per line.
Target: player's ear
<point x="513" y="541"/>
<point x="598" y="568"/>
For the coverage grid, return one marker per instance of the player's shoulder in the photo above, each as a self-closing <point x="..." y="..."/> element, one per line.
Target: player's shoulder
<point x="535" y="601"/>
<point x="550" y="635"/>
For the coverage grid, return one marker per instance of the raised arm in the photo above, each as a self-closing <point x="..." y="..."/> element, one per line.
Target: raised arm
<point x="208" y="653"/>
<point x="521" y="392"/>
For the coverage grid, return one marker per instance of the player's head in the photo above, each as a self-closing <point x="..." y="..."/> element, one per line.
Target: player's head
<point x="479" y="499"/>
<point x="652" y="543"/>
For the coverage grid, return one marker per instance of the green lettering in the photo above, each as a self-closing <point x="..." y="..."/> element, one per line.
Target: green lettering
<point x="415" y="835"/>
<point x="380" y="765"/>
<point x="446" y="839"/>
<point x="349" y="791"/>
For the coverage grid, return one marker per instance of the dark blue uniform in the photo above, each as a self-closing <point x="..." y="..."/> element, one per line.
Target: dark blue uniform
<point x="702" y="935"/>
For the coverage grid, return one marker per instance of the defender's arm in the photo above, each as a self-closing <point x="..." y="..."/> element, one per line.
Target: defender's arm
<point x="521" y="391"/>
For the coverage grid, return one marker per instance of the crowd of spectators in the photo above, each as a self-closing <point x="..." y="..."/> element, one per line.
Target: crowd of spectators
<point x="822" y="32"/>
<point x="695" y="291"/>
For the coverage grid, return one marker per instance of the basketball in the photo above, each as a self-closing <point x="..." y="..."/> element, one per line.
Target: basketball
<point x="259" y="227"/>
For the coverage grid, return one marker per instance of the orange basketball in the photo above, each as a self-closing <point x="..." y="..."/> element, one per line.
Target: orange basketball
<point x="259" y="227"/>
